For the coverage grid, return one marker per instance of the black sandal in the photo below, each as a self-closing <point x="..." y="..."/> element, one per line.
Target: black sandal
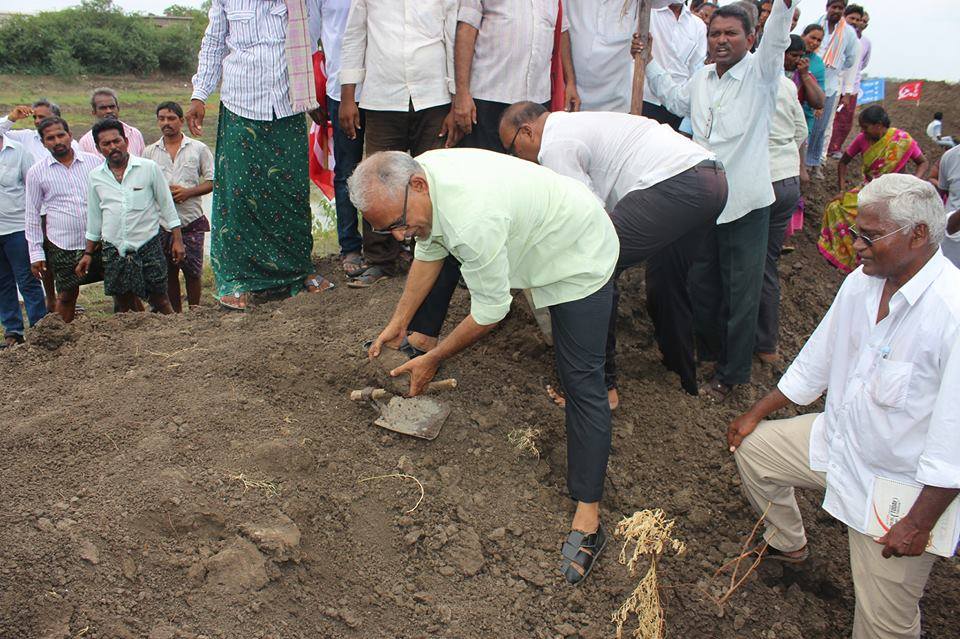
<point x="583" y="550"/>
<point x="405" y="347"/>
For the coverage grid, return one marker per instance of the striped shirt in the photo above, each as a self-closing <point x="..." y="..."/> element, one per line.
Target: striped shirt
<point x="59" y="192"/>
<point x="29" y="138"/>
<point x="511" y="60"/>
<point x="135" y="143"/>
<point x="244" y="45"/>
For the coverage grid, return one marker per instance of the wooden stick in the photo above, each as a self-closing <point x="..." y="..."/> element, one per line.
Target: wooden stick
<point x="639" y="64"/>
<point x="380" y="393"/>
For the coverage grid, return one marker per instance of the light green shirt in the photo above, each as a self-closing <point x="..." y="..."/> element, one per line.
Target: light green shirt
<point x="515" y="224"/>
<point x="127" y="214"/>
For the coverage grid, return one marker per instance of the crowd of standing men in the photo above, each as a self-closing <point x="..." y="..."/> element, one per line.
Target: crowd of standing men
<point x="428" y="101"/>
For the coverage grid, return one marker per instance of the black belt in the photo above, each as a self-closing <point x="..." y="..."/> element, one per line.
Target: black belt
<point x="716" y="165"/>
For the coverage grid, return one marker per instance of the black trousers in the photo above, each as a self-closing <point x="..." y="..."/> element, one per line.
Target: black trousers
<point x="665" y="226"/>
<point x="725" y="284"/>
<point x="579" y="350"/>
<point x="787" y="193"/>
<point x="486" y="132"/>
<point x="661" y="115"/>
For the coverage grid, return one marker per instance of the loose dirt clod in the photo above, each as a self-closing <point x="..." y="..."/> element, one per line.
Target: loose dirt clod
<point x="401" y="476"/>
<point x="650" y="533"/>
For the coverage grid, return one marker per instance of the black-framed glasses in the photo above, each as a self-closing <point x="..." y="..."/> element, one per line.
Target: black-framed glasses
<point x="510" y="149"/>
<point x="402" y="222"/>
<point x="869" y="241"/>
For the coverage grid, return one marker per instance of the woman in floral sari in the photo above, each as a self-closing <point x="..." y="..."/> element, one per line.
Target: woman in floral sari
<point x="885" y="150"/>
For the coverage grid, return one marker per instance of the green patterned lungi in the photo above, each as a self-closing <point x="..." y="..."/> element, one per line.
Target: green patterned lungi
<point x="262" y="225"/>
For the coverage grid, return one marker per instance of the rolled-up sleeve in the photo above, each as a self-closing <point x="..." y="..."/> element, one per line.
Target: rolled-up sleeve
<point x="354" y="47"/>
<point x="939" y="463"/>
<point x="471" y="12"/>
<point x="486" y="269"/>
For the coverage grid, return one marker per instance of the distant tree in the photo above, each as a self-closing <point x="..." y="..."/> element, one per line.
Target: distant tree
<point x="181" y="11"/>
<point x="100" y="6"/>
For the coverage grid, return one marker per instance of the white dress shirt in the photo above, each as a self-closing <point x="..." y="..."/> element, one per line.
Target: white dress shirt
<point x="59" y="192"/>
<point x="14" y="164"/>
<point x="846" y="59"/>
<point x="883" y="381"/>
<point x="679" y="46"/>
<point x="135" y="143"/>
<point x="600" y="47"/>
<point x="514" y="48"/>
<point x="245" y="44"/>
<point x="615" y="153"/>
<point x="331" y="22"/>
<point x="788" y="131"/>
<point x="29" y="138"/>
<point x="192" y="165"/>
<point x="731" y="114"/>
<point x="403" y="52"/>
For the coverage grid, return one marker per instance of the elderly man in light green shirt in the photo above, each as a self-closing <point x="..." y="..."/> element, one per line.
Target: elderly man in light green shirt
<point x="504" y="224"/>
<point x="127" y="201"/>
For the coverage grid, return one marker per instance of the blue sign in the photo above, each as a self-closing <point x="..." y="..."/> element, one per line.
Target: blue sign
<point x="871" y="90"/>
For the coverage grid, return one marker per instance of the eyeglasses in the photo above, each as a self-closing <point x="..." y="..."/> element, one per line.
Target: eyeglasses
<point x="510" y="149"/>
<point x="402" y="222"/>
<point x="869" y="241"/>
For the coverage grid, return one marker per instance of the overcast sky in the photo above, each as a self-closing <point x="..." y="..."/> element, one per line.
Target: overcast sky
<point x="912" y="39"/>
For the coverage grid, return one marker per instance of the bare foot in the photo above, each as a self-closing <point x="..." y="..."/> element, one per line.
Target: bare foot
<point x="612" y="396"/>
<point x="421" y="341"/>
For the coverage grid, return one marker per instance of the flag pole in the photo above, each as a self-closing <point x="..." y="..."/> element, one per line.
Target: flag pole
<point x="639" y="63"/>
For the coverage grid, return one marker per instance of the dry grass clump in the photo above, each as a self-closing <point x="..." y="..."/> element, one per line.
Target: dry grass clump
<point x="525" y="440"/>
<point x="650" y="533"/>
<point x="259" y="484"/>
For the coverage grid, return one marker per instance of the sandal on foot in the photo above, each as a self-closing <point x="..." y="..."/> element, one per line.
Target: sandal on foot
<point x="317" y="284"/>
<point x="716" y="390"/>
<point x="581" y="550"/>
<point x="369" y="277"/>
<point x="769" y="553"/>
<point x="234" y="302"/>
<point x="405" y="347"/>
<point x="353" y="264"/>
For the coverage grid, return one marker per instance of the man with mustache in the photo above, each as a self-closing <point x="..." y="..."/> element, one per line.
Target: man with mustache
<point x="33" y="144"/>
<point x="128" y="202"/>
<point x="731" y="104"/>
<point x="105" y="105"/>
<point x="187" y="165"/>
<point x="57" y="214"/>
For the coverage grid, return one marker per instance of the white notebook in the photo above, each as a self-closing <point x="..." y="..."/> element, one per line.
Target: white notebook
<point x="891" y="502"/>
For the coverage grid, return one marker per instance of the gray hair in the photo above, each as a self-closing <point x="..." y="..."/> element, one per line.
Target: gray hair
<point x="53" y="106"/>
<point x="385" y="174"/>
<point x="103" y="91"/>
<point x="909" y="200"/>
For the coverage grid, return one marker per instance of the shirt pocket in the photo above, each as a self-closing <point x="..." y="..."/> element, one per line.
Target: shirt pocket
<point x="890" y="385"/>
<point x="8" y="175"/>
<point x="242" y="28"/>
<point x="140" y="200"/>
<point x="427" y="18"/>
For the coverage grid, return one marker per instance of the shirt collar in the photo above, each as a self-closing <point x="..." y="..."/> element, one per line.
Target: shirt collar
<point x="78" y="156"/>
<point x="920" y="282"/>
<point x="186" y="140"/>
<point x="7" y="142"/>
<point x="132" y="162"/>
<point x="736" y="70"/>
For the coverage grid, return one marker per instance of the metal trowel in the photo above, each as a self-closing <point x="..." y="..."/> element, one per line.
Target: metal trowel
<point x="420" y="416"/>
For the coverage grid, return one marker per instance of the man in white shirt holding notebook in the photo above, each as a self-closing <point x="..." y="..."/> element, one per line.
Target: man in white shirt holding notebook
<point x="885" y="354"/>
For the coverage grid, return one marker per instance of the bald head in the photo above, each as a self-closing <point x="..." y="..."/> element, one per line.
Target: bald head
<point x="521" y="129"/>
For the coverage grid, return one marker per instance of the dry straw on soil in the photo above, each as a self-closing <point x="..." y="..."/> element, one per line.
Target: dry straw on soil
<point x="650" y="533"/>
<point x="525" y="440"/>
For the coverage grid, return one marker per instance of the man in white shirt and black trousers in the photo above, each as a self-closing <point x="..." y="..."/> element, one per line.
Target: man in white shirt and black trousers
<point x="680" y="47"/>
<point x="887" y="354"/>
<point x="663" y="193"/>
<point x="730" y="105"/>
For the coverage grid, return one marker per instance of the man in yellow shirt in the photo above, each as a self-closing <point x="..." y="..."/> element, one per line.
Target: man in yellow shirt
<point x="504" y="224"/>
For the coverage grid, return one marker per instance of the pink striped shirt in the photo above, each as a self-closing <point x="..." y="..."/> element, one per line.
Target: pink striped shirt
<point x="60" y="193"/>
<point x="135" y="143"/>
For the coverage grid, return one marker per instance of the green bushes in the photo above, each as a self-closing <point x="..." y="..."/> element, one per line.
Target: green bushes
<point x="97" y="38"/>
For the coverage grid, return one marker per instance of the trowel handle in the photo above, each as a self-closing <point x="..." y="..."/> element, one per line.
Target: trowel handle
<point x="361" y="395"/>
<point x="443" y="384"/>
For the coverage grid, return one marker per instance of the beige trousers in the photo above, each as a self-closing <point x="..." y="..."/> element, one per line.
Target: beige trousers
<point x="773" y="461"/>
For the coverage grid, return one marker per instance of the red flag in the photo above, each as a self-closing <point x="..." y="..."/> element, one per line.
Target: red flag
<point x="321" y="136"/>
<point x="910" y="91"/>
<point x="557" y="85"/>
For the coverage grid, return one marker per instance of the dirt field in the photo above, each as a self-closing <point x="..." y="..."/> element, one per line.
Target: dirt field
<point x="126" y="442"/>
